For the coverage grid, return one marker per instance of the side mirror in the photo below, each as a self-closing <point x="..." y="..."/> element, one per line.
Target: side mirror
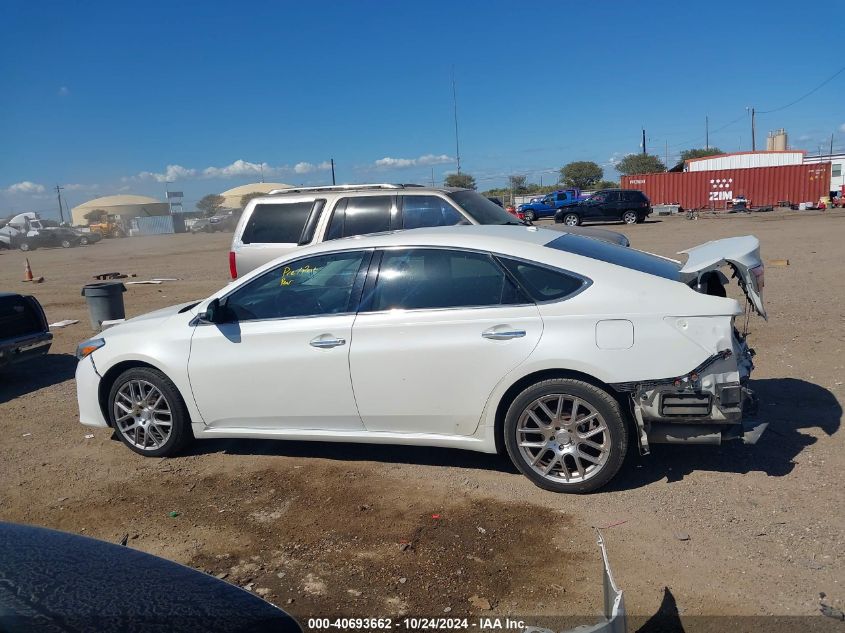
<point x="217" y="312"/>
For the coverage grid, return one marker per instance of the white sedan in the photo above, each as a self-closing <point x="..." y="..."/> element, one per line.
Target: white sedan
<point x="555" y="348"/>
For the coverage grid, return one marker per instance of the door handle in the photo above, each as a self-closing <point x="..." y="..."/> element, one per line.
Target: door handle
<point x="502" y="335"/>
<point x="327" y="343"/>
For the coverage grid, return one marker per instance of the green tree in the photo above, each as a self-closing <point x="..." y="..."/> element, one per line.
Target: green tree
<point x="249" y="196"/>
<point x="689" y="154"/>
<point x="211" y="204"/>
<point x="464" y="181"/>
<point x="95" y="215"/>
<point x="605" y="184"/>
<point x="583" y="174"/>
<point x="640" y="164"/>
<point x="517" y="183"/>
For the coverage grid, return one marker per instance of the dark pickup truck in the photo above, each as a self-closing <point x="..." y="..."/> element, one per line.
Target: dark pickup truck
<point x="24" y="331"/>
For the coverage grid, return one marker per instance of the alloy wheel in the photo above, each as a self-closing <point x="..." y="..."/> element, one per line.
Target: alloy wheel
<point x="571" y="220"/>
<point x="143" y="415"/>
<point x="563" y="438"/>
<point x="629" y="217"/>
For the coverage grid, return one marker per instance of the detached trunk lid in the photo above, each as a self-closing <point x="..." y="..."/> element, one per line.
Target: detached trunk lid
<point x="742" y="254"/>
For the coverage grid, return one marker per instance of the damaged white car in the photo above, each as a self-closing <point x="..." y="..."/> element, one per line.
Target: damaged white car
<point x="556" y="348"/>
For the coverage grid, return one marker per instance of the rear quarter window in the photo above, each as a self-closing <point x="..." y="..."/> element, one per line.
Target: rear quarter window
<point x="617" y="255"/>
<point x="276" y="223"/>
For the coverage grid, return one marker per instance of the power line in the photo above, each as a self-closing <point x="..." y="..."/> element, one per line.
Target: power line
<point x="801" y="98"/>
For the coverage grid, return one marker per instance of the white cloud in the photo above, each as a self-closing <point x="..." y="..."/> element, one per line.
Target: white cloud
<point x="26" y="187"/>
<point x="81" y="187"/>
<point x="64" y="91"/>
<point x="308" y="168"/>
<point x="424" y="160"/>
<point x="842" y="128"/>
<point x="238" y="168"/>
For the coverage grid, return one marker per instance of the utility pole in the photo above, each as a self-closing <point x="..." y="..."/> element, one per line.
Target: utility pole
<point x="753" y="132"/>
<point x="831" y="147"/>
<point x="432" y="176"/>
<point x="667" y="155"/>
<point x="332" y="162"/>
<point x="706" y="132"/>
<point x="59" y="198"/>
<point x="455" y="110"/>
<point x="167" y="197"/>
<point x="644" y="151"/>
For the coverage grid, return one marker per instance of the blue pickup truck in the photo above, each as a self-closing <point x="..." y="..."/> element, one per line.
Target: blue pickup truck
<point x="546" y="206"/>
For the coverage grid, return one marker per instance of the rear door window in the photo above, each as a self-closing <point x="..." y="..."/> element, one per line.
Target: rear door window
<point x="422" y="278"/>
<point x="360" y="215"/>
<point x="276" y="223"/>
<point x="424" y="211"/>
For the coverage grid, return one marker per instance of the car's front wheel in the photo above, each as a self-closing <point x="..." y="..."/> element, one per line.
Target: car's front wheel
<point x="571" y="219"/>
<point x="147" y="412"/>
<point x="83" y="241"/>
<point x="66" y="243"/>
<point x="566" y="435"/>
<point x="529" y="215"/>
<point x="629" y="217"/>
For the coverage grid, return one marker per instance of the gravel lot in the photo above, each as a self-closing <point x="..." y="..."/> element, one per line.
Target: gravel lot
<point x="332" y="529"/>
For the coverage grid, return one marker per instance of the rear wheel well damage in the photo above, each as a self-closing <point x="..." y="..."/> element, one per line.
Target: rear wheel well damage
<point x="108" y="380"/>
<point x="547" y="374"/>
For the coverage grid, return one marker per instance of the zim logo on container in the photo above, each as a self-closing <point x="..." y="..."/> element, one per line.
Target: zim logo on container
<point x="721" y="189"/>
<point x="637" y="182"/>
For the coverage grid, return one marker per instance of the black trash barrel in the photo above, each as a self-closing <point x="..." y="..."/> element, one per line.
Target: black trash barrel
<point x="105" y="301"/>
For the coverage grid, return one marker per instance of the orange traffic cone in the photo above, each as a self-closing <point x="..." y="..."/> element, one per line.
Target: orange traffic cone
<point x="27" y="271"/>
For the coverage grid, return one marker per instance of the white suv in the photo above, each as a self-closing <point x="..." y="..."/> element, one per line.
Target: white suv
<point x="286" y="219"/>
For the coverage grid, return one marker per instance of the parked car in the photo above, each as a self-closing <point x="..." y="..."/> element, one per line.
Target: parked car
<point x="202" y="225"/>
<point x="56" y="581"/>
<point x="608" y="205"/>
<point x="293" y="218"/>
<point x="548" y="205"/>
<point x="554" y="347"/>
<point x="24" y="331"/>
<point x="55" y="236"/>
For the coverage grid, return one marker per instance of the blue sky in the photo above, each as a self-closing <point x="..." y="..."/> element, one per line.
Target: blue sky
<point x="109" y="97"/>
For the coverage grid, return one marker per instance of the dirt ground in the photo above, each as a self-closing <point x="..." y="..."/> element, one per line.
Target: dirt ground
<point x="333" y="529"/>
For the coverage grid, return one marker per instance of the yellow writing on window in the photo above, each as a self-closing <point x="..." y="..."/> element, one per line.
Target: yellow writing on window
<point x="289" y="274"/>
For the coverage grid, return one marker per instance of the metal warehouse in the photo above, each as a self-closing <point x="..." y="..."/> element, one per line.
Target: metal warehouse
<point x="762" y="186"/>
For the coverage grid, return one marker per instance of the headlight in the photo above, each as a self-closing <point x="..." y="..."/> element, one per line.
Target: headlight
<point x="87" y="347"/>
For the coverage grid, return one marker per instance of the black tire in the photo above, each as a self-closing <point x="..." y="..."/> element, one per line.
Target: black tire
<point x="572" y="219"/>
<point x="529" y="215"/>
<point x="629" y="217"/>
<point x="83" y="241"/>
<point x="614" y="436"/>
<point x="180" y="434"/>
<point x="26" y="246"/>
<point x="66" y="243"/>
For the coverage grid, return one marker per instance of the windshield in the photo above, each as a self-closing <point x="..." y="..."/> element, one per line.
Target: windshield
<point x="481" y="209"/>
<point x="618" y="255"/>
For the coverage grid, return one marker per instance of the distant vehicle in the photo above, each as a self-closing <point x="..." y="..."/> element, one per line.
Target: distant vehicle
<point x="288" y="219"/>
<point x="24" y="331"/>
<point x="608" y="205"/>
<point x="14" y="229"/>
<point x="546" y="206"/>
<point x="107" y="226"/>
<point x="371" y="338"/>
<point x="202" y="225"/>
<point x="58" y="236"/>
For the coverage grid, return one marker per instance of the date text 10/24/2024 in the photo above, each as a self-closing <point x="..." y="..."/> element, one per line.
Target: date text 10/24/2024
<point x="416" y="624"/>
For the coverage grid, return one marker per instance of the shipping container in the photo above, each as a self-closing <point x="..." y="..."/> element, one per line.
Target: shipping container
<point x="762" y="186"/>
<point x="152" y="225"/>
<point x="746" y="160"/>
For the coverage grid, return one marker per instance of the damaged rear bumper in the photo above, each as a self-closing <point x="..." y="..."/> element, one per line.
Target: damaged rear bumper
<point x="709" y="405"/>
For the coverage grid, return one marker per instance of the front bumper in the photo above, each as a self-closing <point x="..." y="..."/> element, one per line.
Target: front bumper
<point x="88" y="393"/>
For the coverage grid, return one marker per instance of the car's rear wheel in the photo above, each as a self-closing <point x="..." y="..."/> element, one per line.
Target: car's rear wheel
<point x="66" y="243"/>
<point x="566" y="435"/>
<point x="529" y="215"/>
<point x="571" y="219"/>
<point x="25" y="246"/>
<point x="147" y="412"/>
<point x="629" y="217"/>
